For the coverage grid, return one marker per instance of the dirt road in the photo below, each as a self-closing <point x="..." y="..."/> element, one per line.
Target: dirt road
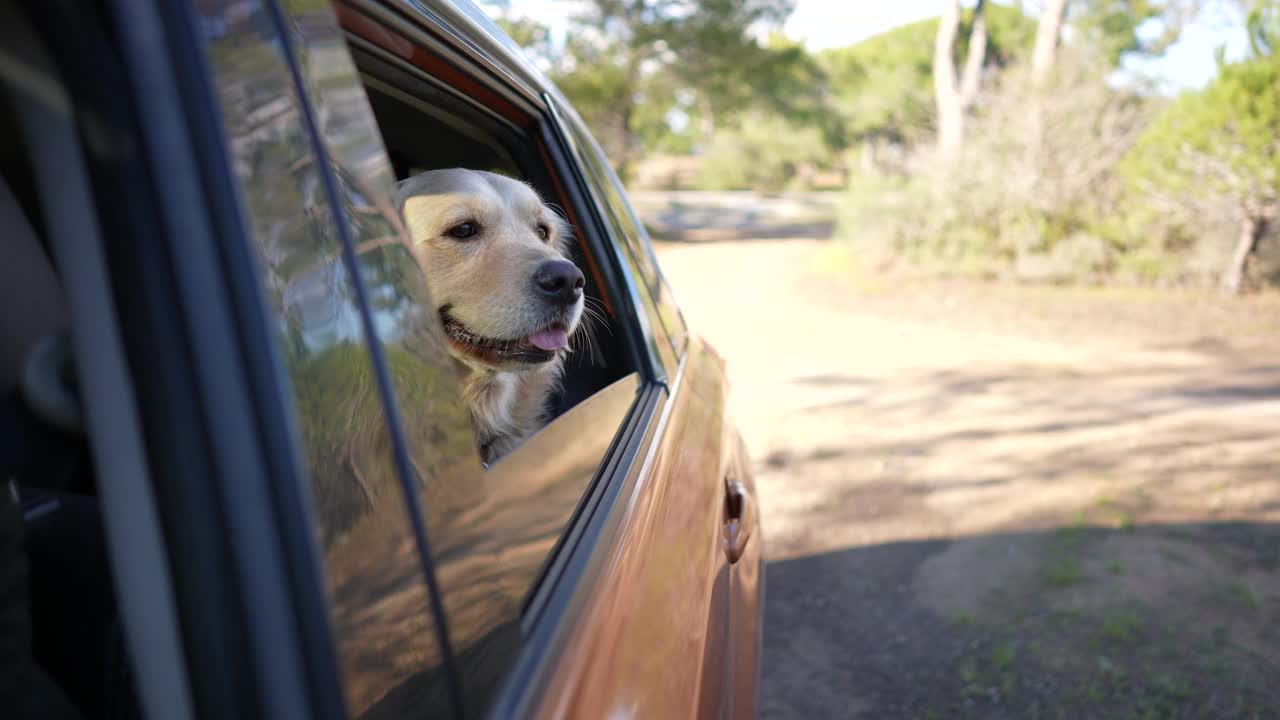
<point x="999" y="503"/>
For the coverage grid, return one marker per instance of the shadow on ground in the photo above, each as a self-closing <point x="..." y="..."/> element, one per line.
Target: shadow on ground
<point x="1100" y="571"/>
<point x="1172" y="621"/>
<point x="1002" y="502"/>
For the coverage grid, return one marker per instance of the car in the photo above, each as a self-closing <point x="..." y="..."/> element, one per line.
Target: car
<point x="249" y="486"/>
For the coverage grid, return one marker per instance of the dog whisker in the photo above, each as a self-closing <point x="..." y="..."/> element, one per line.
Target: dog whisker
<point x="598" y="319"/>
<point x="558" y="210"/>
<point x="584" y="337"/>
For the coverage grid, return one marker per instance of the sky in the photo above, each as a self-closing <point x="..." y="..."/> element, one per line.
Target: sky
<point x="822" y="24"/>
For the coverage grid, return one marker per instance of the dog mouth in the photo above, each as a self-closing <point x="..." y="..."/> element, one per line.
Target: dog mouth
<point x="537" y="347"/>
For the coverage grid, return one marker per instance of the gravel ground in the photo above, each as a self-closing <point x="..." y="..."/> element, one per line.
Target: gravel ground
<point x="999" y="502"/>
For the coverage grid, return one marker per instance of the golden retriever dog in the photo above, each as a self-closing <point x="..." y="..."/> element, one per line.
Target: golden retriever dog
<point x="510" y="299"/>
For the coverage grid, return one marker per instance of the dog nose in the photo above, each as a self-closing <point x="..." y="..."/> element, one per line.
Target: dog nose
<point x="559" y="280"/>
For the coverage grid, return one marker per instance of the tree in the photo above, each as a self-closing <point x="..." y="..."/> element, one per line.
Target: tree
<point x="620" y="51"/>
<point x="1222" y="143"/>
<point x="953" y="98"/>
<point x="764" y="153"/>
<point x="1048" y="32"/>
<point x="532" y="36"/>
<point x="882" y="87"/>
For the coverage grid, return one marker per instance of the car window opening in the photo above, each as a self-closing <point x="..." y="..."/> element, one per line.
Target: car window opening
<point x="428" y="125"/>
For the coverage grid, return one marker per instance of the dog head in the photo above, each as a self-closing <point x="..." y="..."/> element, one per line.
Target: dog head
<point x="494" y="255"/>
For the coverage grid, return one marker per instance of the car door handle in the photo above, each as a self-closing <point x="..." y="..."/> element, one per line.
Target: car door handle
<point x="739" y="519"/>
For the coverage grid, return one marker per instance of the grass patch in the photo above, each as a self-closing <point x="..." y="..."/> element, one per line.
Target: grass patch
<point x="1094" y="692"/>
<point x="1221" y="635"/>
<point x="1216" y="666"/>
<point x="1064" y="567"/>
<point x="1063" y="617"/>
<point x="1115" y="514"/>
<point x="1003" y="655"/>
<point x="1063" y="572"/>
<point x="1121" y="626"/>
<point x="1242" y="594"/>
<point x="1169" y="690"/>
<point x="1126" y="522"/>
<point x="991" y="677"/>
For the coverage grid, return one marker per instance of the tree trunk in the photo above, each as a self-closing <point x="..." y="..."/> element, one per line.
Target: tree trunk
<point x="1252" y="229"/>
<point x="1047" y="33"/>
<point x="950" y="110"/>
<point x="1043" y="57"/>
<point x="627" y="108"/>
<point x="954" y="101"/>
<point x="626" y="113"/>
<point x="972" y="78"/>
<point x="867" y="162"/>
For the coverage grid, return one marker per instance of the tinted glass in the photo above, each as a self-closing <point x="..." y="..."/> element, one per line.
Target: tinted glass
<point x="631" y="233"/>
<point x="493" y="531"/>
<point x="641" y="249"/>
<point x="387" y="645"/>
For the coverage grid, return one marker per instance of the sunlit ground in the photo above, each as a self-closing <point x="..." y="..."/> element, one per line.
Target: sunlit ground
<point x="993" y="501"/>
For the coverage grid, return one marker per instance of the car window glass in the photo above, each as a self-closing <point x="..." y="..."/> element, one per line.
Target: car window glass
<point x="663" y="318"/>
<point x="389" y="656"/>
<point x="492" y="531"/>
<point x="638" y="242"/>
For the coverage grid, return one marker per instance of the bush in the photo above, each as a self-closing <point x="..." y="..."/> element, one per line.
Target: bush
<point x="767" y="154"/>
<point x="1032" y="196"/>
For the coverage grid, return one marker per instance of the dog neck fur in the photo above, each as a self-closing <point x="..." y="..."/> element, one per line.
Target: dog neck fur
<point x="507" y="407"/>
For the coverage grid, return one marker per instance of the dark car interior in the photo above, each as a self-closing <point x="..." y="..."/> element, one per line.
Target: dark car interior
<point x="59" y="630"/>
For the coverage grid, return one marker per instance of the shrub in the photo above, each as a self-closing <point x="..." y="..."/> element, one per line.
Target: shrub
<point x="767" y="154"/>
<point x="1032" y="195"/>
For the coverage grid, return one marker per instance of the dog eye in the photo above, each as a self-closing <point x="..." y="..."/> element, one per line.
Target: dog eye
<point x="462" y="231"/>
<point x="544" y="232"/>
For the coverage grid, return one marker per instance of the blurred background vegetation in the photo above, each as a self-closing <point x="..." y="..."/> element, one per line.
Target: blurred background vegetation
<point x="996" y="140"/>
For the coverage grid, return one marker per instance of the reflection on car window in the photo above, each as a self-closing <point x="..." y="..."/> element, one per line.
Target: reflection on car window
<point x="389" y="656"/>
<point x="659" y="300"/>
<point x="492" y="531"/>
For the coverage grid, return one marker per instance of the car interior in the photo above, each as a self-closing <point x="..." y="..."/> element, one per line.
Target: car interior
<point x="58" y="615"/>
<point x="66" y="629"/>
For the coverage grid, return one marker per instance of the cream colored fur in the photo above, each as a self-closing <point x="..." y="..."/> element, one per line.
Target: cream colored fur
<point x="486" y="283"/>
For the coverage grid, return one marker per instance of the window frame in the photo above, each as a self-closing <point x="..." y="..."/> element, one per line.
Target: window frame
<point x="557" y="600"/>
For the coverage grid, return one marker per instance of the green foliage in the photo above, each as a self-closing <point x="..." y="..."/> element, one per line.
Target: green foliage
<point x="664" y="55"/>
<point x="763" y="153"/>
<point x="533" y="36"/>
<point x="883" y="86"/>
<point x="1111" y="26"/>
<point x="1033" y="197"/>
<point x="1263" y="26"/>
<point x="1070" y="182"/>
<point x="344" y="430"/>
<point x="1222" y="141"/>
<point x="714" y="53"/>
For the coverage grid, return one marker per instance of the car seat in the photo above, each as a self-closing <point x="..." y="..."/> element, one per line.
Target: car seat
<point x="62" y="649"/>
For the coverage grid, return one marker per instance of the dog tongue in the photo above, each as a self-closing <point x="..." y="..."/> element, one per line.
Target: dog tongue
<point x="549" y="339"/>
